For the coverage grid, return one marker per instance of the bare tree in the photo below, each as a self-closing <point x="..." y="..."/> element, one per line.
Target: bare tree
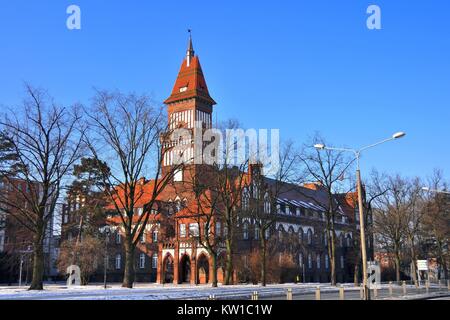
<point x="390" y="220"/>
<point x="263" y="193"/>
<point x="436" y="221"/>
<point x="327" y="168"/>
<point x="127" y="133"/>
<point x="47" y="140"/>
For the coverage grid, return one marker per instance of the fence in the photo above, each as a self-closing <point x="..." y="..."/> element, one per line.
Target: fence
<point x="385" y="290"/>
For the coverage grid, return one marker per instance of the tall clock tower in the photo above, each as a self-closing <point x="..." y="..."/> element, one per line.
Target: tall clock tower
<point x="189" y="106"/>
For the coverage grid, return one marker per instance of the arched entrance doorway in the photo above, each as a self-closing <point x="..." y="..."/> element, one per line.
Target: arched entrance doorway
<point x="185" y="269"/>
<point x="168" y="269"/>
<point x="203" y="269"/>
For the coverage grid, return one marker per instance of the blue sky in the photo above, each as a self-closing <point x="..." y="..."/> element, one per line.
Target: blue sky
<point x="301" y="66"/>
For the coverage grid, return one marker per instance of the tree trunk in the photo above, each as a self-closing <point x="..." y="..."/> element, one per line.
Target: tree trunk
<point x="38" y="258"/>
<point x="333" y="259"/>
<point x="38" y="267"/>
<point x="263" y="259"/>
<point x="413" y="266"/>
<point x="229" y="263"/>
<point x="128" y="275"/>
<point x="356" y="274"/>
<point x="214" y="269"/>
<point x="397" y="267"/>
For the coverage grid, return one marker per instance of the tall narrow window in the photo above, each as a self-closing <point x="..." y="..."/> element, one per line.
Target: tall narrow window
<point x="118" y="238"/>
<point x="309" y="261"/>
<point x="256" y="231"/>
<point x="155" y="261"/>
<point x="182" y="230"/>
<point x="266" y="203"/>
<point x="318" y="261"/>
<point x="143" y="237"/>
<point x="245" y="230"/>
<point x="327" y="261"/>
<point x="310" y="236"/>
<point x="342" y="262"/>
<point x="118" y="261"/>
<point x="155" y="236"/>
<point x="142" y="260"/>
<point x="218" y="229"/>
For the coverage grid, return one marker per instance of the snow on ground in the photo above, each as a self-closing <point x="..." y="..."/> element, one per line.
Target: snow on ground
<point x="157" y="291"/>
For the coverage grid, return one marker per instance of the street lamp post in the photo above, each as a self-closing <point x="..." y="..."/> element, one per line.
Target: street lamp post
<point x="357" y="153"/>
<point x="106" y="230"/>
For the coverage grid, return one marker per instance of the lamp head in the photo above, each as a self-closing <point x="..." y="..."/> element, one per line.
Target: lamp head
<point x="398" y="135"/>
<point x="319" y="146"/>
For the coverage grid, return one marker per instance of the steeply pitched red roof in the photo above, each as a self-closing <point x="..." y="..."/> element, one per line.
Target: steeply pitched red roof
<point x="192" y="79"/>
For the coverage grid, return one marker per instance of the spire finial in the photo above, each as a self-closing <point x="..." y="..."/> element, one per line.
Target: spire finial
<point x="190" y="50"/>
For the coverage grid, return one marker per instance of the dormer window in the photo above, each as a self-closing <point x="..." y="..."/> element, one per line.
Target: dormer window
<point x="183" y="89"/>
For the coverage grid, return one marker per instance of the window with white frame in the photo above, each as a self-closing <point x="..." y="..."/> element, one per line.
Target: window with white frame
<point x="118" y="261"/>
<point x="256" y="229"/>
<point x="182" y="230"/>
<point x="178" y="175"/>
<point x="349" y="241"/>
<point x="155" y="236"/>
<point x="318" y="261"/>
<point x="142" y="237"/>
<point x="267" y="233"/>
<point x="142" y="261"/>
<point x="155" y="261"/>
<point x="193" y="229"/>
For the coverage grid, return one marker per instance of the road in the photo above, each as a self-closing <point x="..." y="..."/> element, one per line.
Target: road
<point x="202" y="292"/>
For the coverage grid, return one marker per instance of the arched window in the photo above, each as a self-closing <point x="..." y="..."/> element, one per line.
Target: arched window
<point x="155" y="261"/>
<point x="280" y="232"/>
<point x="266" y="203"/>
<point x="300" y="260"/>
<point x="349" y="241"/>
<point x="310" y="237"/>
<point x="245" y="230"/>
<point x="309" y="261"/>
<point x="341" y="241"/>
<point x="327" y="261"/>
<point x="300" y="235"/>
<point x="118" y="237"/>
<point x="325" y="238"/>
<point x="267" y="233"/>
<point x="291" y="230"/>
<point x="318" y="260"/>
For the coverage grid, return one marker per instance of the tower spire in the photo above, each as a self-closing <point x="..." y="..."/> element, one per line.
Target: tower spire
<point x="190" y="51"/>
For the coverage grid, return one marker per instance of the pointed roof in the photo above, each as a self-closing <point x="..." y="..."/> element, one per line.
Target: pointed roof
<point x="190" y="82"/>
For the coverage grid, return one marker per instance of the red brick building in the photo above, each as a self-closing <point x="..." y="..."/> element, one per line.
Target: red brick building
<point x="169" y="252"/>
